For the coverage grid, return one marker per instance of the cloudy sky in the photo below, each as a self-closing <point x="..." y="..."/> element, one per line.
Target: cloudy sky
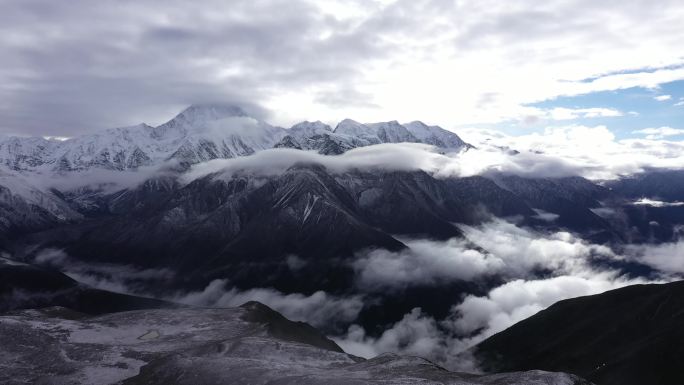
<point x="519" y="66"/>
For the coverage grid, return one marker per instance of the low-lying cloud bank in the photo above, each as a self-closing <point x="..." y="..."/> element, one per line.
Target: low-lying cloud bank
<point x="476" y="318"/>
<point x="540" y="269"/>
<point x="105" y="276"/>
<point x="665" y="257"/>
<point x="319" y="309"/>
<point x="390" y="157"/>
<point x="656" y="203"/>
<point x="591" y="152"/>
<point x="504" y="250"/>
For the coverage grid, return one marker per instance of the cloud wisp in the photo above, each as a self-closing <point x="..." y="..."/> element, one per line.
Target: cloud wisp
<point x="660" y="132"/>
<point x="106" y="276"/>
<point x="319" y="309"/>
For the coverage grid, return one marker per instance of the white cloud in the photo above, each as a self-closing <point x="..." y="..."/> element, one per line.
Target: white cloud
<point x="662" y="98"/>
<point x="514" y="253"/>
<point x="424" y="263"/>
<point x="415" y="334"/>
<point x="591" y="152"/>
<point x="105" y="276"/>
<point x="401" y="156"/>
<point x="560" y="113"/>
<point x="545" y="216"/>
<point x="660" y="132"/>
<point x="505" y="250"/>
<point x="319" y="309"/>
<point x="655" y="203"/>
<point x="462" y="62"/>
<point x="475" y="319"/>
<point x="96" y="179"/>
<point x="665" y="257"/>
<point x="516" y="300"/>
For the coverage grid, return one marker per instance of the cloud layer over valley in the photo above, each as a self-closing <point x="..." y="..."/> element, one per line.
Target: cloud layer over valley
<point x="533" y="268"/>
<point x="591" y="152"/>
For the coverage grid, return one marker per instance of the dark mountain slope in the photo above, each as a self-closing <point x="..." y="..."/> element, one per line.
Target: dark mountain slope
<point x="570" y="198"/>
<point x="417" y="203"/>
<point x="662" y="185"/>
<point x="628" y="336"/>
<point x="244" y="226"/>
<point x="24" y="286"/>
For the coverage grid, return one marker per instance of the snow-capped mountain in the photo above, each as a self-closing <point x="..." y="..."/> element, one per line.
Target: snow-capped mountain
<point x="41" y="175"/>
<point x="26" y="153"/>
<point x="27" y="207"/>
<point x="199" y="133"/>
<point x="392" y="132"/>
<point x="435" y="135"/>
<point x="208" y="132"/>
<point x="320" y="137"/>
<point x="350" y="134"/>
<point x="374" y="133"/>
<point x="205" y="132"/>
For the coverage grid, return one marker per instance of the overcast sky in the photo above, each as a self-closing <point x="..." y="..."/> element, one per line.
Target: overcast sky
<point x="68" y="67"/>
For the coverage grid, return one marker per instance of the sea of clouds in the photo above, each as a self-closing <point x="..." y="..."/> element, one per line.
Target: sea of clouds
<point x="506" y="250"/>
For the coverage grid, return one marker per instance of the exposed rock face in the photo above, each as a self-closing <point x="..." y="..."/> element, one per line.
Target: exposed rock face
<point x="247" y="345"/>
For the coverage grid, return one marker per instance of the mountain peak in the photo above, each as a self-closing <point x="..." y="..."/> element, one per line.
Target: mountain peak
<point x="308" y="128"/>
<point x="435" y="135"/>
<point x="211" y="111"/>
<point x="416" y="123"/>
<point x="392" y="132"/>
<point x="197" y="115"/>
<point x="351" y="127"/>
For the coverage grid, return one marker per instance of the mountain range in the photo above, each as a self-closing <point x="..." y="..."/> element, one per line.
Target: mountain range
<point x="205" y="132"/>
<point x="241" y="225"/>
<point x="218" y="196"/>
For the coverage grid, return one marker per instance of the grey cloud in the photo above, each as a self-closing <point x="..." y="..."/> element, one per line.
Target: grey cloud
<point x="106" y="276"/>
<point x="545" y="215"/>
<point x="319" y="309"/>
<point x="475" y="318"/>
<point x="77" y="66"/>
<point x="391" y="156"/>
<point x="69" y="67"/>
<point x="667" y="258"/>
<point x="494" y="248"/>
<point x="425" y="262"/>
<point x="518" y="252"/>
